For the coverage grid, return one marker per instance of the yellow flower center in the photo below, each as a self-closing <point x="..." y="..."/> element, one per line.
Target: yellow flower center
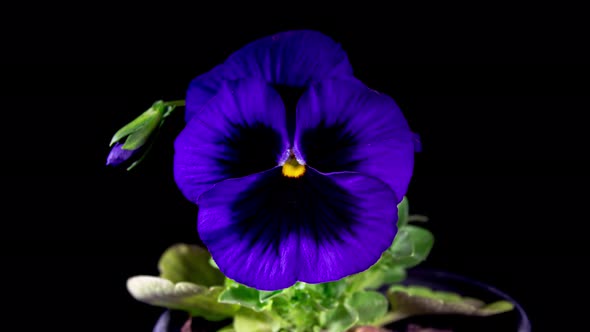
<point x="292" y="168"/>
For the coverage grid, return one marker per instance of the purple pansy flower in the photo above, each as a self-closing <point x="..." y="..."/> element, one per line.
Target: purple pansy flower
<point x="292" y="186"/>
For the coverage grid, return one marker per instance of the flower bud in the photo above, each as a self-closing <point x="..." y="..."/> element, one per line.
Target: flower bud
<point x="137" y="133"/>
<point x="118" y="155"/>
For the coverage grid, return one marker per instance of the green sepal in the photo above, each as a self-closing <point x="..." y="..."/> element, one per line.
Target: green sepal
<point x="369" y="305"/>
<point x="197" y="300"/>
<point x="184" y="262"/>
<point x="139" y="130"/>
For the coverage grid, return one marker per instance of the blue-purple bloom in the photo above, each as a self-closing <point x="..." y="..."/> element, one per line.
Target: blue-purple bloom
<point x="118" y="155"/>
<point x="297" y="167"/>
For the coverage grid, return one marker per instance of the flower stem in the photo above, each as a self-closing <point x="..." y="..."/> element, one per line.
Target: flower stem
<point x="175" y="103"/>
<point x="171" y="106"/>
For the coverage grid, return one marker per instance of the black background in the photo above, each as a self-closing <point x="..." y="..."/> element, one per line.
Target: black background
<point x="499" y="102"/>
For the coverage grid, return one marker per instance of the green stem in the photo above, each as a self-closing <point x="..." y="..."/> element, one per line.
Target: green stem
<point x="175" y="103"/>
<point x="171" y="106"/>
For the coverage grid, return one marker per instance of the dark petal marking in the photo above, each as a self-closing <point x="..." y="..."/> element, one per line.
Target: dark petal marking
<point x="249" y="149"/>
<point x="330" y="148"/>
<point x="268" y="231"/>
<point x="342" y="125"/>
<point x="240" y="132"/>
<point x="295" y="200"/>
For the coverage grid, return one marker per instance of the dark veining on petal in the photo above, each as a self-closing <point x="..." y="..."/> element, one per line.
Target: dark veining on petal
<point x="249" y="149"/>
<point x="290" y="96"/>
<point x="312" y="205"/>
<point x="330" y="148"/>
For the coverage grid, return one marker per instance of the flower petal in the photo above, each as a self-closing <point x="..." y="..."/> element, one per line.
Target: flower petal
<point x="118" y="155"/>
<point x="241" y="131"/>
<point x="342" y="125"/>
<point x="268" y="231"/>
<point x="293" y="58"/>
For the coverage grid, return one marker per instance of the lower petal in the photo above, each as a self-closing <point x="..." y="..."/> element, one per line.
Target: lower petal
<point x="268" y="231"/>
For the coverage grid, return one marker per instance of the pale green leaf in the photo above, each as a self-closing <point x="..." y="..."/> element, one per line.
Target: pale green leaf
<point x="417" y="300"/>
<point x="184" y="262"/>
<point x="195" y="299"/>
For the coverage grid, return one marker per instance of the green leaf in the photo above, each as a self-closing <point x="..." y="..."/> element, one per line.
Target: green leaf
<point x="339" y="319"/>
<point x="140" y="128"/>
<point x="393" y="274"/>
<point x="411" y="246"/>
<point x="229" y="328"/>
<point x="403" y="212"/>
<point x="195" y="299"/>
<point x="332" y="289"/>
<point x="281" y="305"/>
<point x="184" y="262"/>
<point x="370" y="306"/>
<point x="326" y="294"/>
<point x="251" y="321"/>
<point x="264" y="296"/>
<point x="376" y="276"/>
<point x="417" y="300"/>
<point x="496" y="308"/>
<point x="244" y="296"/>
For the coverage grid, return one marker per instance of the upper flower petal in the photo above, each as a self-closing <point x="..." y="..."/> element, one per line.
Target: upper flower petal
<point x="268" y="231"/>
<point x="293" y="58"/>
<point x="342" y="125"/>
<point x="239" y="132"/>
